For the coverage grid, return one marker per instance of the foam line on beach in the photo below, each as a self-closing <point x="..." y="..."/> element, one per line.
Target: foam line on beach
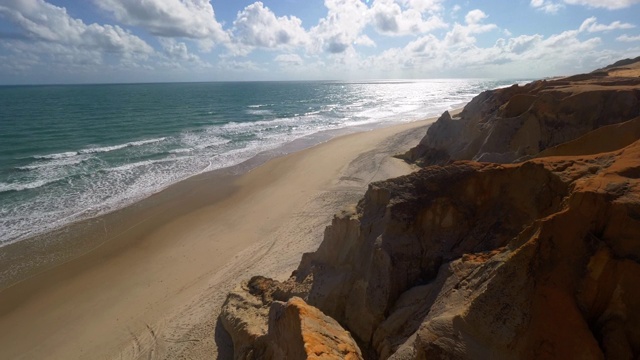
<point x="99" y="149"/>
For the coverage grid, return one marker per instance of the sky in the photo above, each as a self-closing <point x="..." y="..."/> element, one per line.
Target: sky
<point x="122" y="41"/>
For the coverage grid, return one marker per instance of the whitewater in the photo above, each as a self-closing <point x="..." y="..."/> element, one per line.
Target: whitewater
<point x="69" y="153"/>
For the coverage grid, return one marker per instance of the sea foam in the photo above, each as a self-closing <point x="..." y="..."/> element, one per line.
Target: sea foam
<point x="134" y="149"/>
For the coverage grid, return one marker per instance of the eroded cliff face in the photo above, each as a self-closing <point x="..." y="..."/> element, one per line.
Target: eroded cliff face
<point x="539" y="259"/>
<point x="535" y="259"/>
<point x="518" y="122"/>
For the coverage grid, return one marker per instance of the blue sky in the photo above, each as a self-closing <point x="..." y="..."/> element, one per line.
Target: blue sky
<point x="97" y="41"/>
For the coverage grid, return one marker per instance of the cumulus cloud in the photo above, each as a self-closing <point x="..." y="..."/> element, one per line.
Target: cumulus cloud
<point x="606" y="4"/>
<point x="475" y="16"/>
<point x="547" y="6"/>
<point x="343" y="25"/>
<point x="552" y="7"/>
<point x="45" y="23"/>
<point x="627" y="38"/>
<point x="289" y="60"/>
<point x="177" y="50"/>
<point x="591" y="25"/>
<point x="430" y="6"/>
<point x="258" y="26"/>
<point x="169" y="18"/>
<point x="462" y="35"/>
<point x="239" y="66"/>
<point x="364" y="40"/>
<point x="53" y="43"/>
<point x="47" y="33"/>
<point x="390" y="18"/>
<point x="457" y="53"/>
<point x="425" y="46"/>
<point x="521" y="44"/>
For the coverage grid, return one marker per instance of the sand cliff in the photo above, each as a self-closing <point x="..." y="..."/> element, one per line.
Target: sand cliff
<point x="518" y="122"/>
<point x="535" y="259"/>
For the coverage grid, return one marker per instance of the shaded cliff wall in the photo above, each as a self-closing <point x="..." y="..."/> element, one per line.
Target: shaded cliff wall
<point x="539" y="259"/>
<point x="485" y="259"/>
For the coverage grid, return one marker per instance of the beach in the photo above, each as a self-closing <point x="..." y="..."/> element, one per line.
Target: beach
<point x="357" y="179"/>
<point x="154" y="281"/>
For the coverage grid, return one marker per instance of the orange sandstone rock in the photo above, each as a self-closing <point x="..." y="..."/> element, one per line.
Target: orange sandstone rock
<point x="300" y="331"/>
<point x="264" y="328"/>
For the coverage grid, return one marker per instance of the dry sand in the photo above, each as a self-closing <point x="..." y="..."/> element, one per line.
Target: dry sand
<point x="154" y="287"/>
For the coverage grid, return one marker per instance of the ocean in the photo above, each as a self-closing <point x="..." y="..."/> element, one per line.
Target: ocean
<point x="73" y="152"/>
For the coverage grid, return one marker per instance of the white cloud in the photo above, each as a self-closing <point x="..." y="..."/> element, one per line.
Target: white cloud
<point x="48" y="34"/>
<point x="258" y="26"/>
<point x="339" y="31"/>
<point x="169" y="18"/>
<point x="425" y="46"/>
<point x="364" y="40"/>
<point x="430" y="6"/>
<point x="627" y="38"/>
<point x="475" y="16"/>
<point x="607" y="4"/>
<point x="239" y="66"/>
<point x="289" y="60"/>
<point x="433" y="56"/>
<point x="564" y="40"/>
<point x="462" y="35"/>
<point x="456" y="54"/>
<point x="177" y="51"/>
<point x="388" y="17"/>
<point x="591" y="25"/>
<point x="547" y="6"/>
<point x="522" y="44"/>
<point x="45" y="23"/>
<point x="343" y="25"/>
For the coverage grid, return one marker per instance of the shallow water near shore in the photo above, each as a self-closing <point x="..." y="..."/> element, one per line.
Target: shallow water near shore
<point x="70" y="153"/>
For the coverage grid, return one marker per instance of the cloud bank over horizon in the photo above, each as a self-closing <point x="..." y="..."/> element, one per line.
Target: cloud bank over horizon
<point x="201" y="40"/>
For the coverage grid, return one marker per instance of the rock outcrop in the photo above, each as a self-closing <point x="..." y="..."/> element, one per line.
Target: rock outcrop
<point x="537" y="259"/>
<point x="518" y="122"/>
<point x="265" y="328"/>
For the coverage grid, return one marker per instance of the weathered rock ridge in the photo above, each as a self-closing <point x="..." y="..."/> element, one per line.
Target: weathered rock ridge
<point x="539" y="259"/>
<point x="518" y="122"/>
<point x="264" y="328"/>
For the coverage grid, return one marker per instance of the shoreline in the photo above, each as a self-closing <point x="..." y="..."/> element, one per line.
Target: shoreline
<point x="90" y="213"/>
<point x="112" y="203"/>
<point x="169" y="249"/>
<point x="63" y="244"/>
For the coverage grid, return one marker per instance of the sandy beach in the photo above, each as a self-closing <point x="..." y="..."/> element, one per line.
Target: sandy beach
<point x="155" y="282"/>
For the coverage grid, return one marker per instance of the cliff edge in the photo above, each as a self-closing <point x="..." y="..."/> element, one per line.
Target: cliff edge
<point x="518" y="122"/>
<point x="538" y="259"/>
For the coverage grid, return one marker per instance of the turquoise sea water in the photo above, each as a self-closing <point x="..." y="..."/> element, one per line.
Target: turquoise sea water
<point x="72" y="152"/>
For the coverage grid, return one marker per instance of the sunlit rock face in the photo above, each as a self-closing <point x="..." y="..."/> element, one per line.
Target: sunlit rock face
<point x="265" y="328"/>
<point x="518" y="122"/>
